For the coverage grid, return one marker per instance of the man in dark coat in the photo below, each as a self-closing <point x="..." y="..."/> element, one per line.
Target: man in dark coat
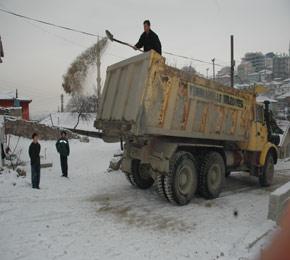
<point x="34" y="151"/>
<point x="148" y="40"/>
<point x="62" y="146"/>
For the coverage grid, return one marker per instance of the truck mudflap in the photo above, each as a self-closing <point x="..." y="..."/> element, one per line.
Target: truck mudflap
<point x="126" y="165"/>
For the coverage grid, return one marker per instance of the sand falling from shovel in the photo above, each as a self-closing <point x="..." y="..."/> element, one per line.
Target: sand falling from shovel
<point x="74" y="79"/>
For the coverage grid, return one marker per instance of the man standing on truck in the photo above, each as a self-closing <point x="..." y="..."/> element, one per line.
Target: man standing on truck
<point x="62" y="146"/>
<point x="148" y="40"/>
<point x="34" y="151"/>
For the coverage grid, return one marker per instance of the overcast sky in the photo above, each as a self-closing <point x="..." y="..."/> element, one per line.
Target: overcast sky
<point x="36" y="55"/>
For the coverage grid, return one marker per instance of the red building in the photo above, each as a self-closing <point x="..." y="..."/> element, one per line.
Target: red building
<point x="12" y="100"/>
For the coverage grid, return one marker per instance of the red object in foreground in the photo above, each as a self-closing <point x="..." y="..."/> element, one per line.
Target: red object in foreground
<point x="9" y="100"/>
<point x="279" y="249"/>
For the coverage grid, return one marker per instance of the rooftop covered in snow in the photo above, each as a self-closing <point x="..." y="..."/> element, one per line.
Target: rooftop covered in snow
<point x="11" y="95"/>
<point x="261" y="99"/>
<point x="284" y="125"/>
<point x="285" y="95"/>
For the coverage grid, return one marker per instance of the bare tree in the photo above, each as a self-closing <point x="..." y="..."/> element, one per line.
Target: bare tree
<point x="92" y="100"/>
<point x="82" y="106"/>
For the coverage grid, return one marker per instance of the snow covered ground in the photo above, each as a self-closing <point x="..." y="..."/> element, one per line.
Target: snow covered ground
<point x="69" y="120"/>
<point x="98" y="215"/>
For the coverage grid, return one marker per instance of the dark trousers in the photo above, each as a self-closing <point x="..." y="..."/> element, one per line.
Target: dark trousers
<point x="35" y="175"/>
<point x="63" y="163"/>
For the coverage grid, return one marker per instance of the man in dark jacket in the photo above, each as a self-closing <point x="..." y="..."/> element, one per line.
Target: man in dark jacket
<point x="34" y="151"/>
<point x="148" y="40"/>
<point x="62" y="146"/>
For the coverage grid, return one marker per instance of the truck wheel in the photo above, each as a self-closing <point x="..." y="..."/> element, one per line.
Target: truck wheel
<point x="140" y="176"/>
<point x="211" y="175"/>
<point x="181" y="181"/>
<point x="267" y="174"/>
<point x="160" y="188"/>
<point x="228" y="173"/>
<point x="130" y="179"/>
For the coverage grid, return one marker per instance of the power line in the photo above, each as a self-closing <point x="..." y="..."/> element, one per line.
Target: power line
<point x="49" y="23"/>
<point x="95" y="35"/>
<point x="58" y="36"/>
<point x="68" y="40"/>
<point x="189" y="58"/>
<point x="54" y="34"/>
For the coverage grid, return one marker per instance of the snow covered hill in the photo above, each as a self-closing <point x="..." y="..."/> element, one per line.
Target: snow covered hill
<point x="98" y="215"/>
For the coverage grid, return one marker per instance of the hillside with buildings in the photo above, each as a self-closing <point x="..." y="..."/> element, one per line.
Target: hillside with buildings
<point x="272" y="69"/>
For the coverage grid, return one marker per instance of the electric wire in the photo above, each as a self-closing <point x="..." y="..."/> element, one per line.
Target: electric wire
<point x="50" y="24"/>
<point x="95" y="35"/>
<point x="193" y="59"/>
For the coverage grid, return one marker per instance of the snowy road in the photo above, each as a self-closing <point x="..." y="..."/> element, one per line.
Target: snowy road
<point x="98" y="215"/>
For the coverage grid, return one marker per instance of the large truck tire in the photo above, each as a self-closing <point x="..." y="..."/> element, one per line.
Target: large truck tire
<point x="130" y="179"/>
<point x="180" y="182"/>
<point x="139" y="175"/>
<point x="228" y="173"/>
<point x="267" y="174"/>
<point x="211" y="175"/>
<point x="160" y="186"/>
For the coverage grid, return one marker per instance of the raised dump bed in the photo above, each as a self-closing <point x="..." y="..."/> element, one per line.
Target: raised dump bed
<point x="144" y="96"/>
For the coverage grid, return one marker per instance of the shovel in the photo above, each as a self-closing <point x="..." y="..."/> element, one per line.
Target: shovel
<point x="111" y="38"/>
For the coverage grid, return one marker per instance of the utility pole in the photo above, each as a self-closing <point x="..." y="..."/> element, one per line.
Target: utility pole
<point x="61" y="103"/>
<point x="213" y="68"/>
<point x="289" y="58"/>
<point x="16" y="94"/>
<point x="98" y="74"/>
<point x="1" y="50"/>
<point x="2" y="138"/>
<point x="207" y="69"/>
<point x="232" y="61"/>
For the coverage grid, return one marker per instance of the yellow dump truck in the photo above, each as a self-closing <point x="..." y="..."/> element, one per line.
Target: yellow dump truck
<point x="181" y="132"/>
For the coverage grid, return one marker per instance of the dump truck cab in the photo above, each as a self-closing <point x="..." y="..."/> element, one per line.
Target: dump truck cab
<point x="183" y="132"/>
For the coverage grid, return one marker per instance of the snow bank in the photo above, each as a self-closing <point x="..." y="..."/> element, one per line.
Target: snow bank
<point x="278" y="201"/>
<point x="284" y="125"/>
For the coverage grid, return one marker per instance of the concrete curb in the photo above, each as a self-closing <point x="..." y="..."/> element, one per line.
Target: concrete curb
<point x="278" y="201"/>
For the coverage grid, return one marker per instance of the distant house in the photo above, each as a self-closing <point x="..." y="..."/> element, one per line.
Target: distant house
<point x="12" y="100"/>
<point x="254" y="77"/>
<point x="284" y="101"/>
<point x="266" y="75"/>
<point x="284" y="145"/>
